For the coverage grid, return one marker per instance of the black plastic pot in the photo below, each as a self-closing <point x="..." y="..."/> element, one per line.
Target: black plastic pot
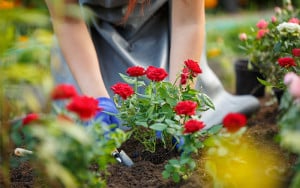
<point x="278" y="94"/>
<point x="246" y="79"/>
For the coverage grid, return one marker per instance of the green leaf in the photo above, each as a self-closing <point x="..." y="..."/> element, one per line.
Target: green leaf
<point x="171" y="131"/>
<point x="160" y="119"/>
<point x="128" y="79"/>
<point x="150" y="110"/>
<point x="192" y="164"/>
<point x="206" y="99"/>
<point x="277" y="47"/>
<point x="264" y="82"/>
<point x="171" y="101"/>
<point x="215" y="129"/>
<point x="142" y="123"/>
<point x="176" y="177"/>
<point x="174" y="162"/>
<point x="184" y="160"/>
<point x="159" y="126"/>
<point x="163" y="92"/>
<point x="166" y="174"/>
<point x="169" y="167"/>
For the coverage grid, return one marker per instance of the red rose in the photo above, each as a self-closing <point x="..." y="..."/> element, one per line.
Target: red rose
<point x="296" y="52"/>
<point x="136" y="71"/>
<point x="63" y="91"/>
<point x="156" y="74"/>
<point x="85" y="107"/>
<point x="193" y="66"/>
<point x="234" y="121"/>
<point x="186" y="108"/>
<point x="286" y="62"/>
<point x="123" y="89"/>
<point x="184" y="76"/>
<point x="30" y="118"/>
<point x="192" y="126"/>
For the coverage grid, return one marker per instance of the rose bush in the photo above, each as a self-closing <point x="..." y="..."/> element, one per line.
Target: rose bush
<point x="288" y="120"/>
<point x="160" y="111"/>
<point x="273" y="46"/>
<point x="59" y="138"/>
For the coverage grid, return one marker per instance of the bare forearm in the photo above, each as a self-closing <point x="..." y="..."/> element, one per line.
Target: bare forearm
<point x="80" y="54"/>
<point x="81" y="57"/>
<point x="188" y="27"/>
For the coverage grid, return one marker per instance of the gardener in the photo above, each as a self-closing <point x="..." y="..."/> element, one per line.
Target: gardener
<point x="125" y="33"/>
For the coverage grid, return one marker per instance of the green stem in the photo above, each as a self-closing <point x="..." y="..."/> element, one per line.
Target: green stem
<point x="136" y="84"/>
<point x="176" y="81"/>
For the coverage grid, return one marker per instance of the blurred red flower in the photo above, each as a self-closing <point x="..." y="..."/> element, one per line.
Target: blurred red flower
<point x="286" y="62"/>
<point x="136" y="71"/>
<point x="296" y="52"/>
<point x="30" y="118"/>
<point x="85" y="107"/>
<point x="63" y="91"/>
<point x="156" y="74"/>
<point x="184" y="76"/>
<point x="192" y="126"/>
<point x="186" y="108"/>
<point x="123" y="89"/>
<point x="193" y="66"/>
<point x="234" y="121"/>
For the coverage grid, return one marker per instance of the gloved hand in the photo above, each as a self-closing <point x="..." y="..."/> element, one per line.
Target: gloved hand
<point x="108" y="110"/>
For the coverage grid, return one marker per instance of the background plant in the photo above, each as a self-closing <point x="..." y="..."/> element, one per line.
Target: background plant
<point x="65" y="154"/>
<point x="21" y="28"/>
<point x="58" y="139"/>
<point x="288" y="121"/>
<point x="267" y="46"/>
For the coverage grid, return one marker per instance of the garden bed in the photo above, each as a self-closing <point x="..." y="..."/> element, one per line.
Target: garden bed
<point x="148" y="167"/>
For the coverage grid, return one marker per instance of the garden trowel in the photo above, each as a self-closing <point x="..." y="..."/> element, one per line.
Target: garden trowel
<point x="122" y="158"/>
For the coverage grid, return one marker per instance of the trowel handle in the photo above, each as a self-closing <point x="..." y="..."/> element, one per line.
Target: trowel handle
<point x="22" y="152"/>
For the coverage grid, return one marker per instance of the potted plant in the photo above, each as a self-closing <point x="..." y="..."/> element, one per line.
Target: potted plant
<point x="274" y="47"/>
<point x="246" y="79"/>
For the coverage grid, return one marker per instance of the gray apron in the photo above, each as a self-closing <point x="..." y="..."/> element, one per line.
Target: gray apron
<point x="143" y="40"/>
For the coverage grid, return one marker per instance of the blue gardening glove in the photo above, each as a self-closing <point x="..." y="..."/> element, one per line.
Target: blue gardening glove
<point x="108" y="110"/>
<point x="179" y="143"/>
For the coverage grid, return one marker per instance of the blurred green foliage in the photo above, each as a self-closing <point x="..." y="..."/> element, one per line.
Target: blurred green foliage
<point x="24" y="57"/>
<point x="288" y="121"/>
<point x="63" y="151"/>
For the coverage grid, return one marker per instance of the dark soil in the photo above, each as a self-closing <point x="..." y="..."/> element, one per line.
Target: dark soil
<point x="148" y="167"/>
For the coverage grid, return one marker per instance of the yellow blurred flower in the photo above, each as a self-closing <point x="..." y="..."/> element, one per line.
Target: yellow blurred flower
<point x="213" y="52"/>
<point x="238" y="163"/>
<point x="6" y="4"/>
<point x="23" y="38"/>
<point x="210" y="4"/>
